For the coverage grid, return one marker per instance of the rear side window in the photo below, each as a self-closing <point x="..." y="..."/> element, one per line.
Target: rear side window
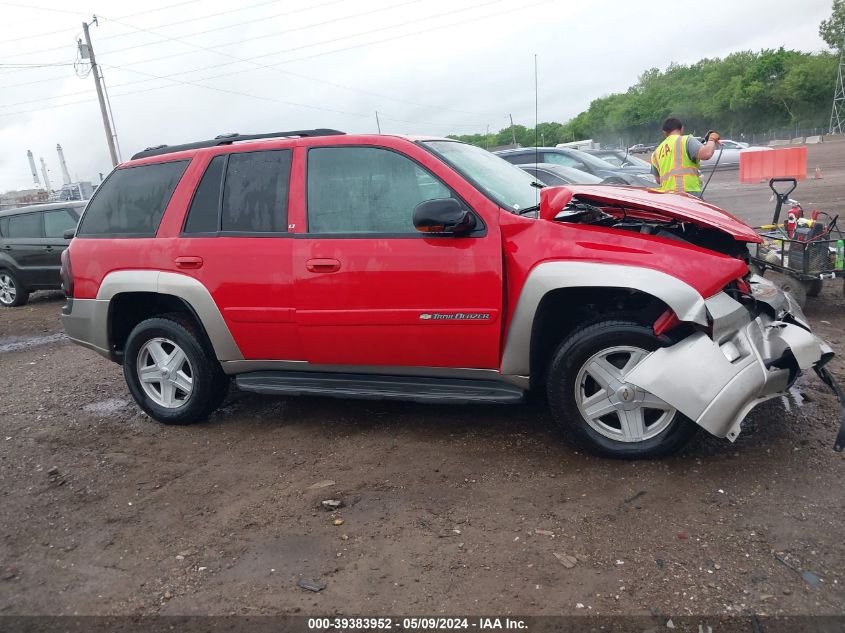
<point x="58" y="221"/>
<point x="132" y="200"/>
<point x="26" y="225"/>
<point x="255" y="187"/>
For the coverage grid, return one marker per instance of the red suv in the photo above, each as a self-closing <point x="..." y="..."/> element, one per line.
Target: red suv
<point x="364" y="266"/>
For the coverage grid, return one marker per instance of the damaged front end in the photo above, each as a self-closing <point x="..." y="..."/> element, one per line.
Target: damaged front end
<point x="757" y="345"/>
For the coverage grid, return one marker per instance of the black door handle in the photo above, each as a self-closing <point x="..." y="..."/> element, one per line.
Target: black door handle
<point x="49" y="249"/>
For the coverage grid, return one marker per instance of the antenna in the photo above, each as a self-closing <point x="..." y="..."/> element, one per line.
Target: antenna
<point x="536" y="119"/>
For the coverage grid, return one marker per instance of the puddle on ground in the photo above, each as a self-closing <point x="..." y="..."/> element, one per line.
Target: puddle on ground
<point x="105" y="407"/>
<point x="15" y="343"/>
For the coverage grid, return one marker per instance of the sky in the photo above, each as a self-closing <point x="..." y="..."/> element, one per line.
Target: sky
<point x="192" y="69"/>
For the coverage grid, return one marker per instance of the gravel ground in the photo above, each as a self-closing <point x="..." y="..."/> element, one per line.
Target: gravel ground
<point x="445" y="510"/>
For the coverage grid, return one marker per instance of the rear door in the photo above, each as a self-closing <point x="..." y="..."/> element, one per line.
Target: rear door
<point x="235" y="241"/>
<point x="23" y="237"/>
<point x="370" y="289"/>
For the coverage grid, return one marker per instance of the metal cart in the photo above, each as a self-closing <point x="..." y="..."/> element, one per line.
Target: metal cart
<point x="803" y="261"/>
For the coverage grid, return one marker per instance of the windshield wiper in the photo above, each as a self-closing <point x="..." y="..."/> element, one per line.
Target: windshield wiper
<point x="530" y="209"/>
<point x="537" y="184"/>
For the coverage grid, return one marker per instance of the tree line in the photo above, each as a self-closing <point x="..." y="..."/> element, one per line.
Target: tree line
<point x="744" y="93"/>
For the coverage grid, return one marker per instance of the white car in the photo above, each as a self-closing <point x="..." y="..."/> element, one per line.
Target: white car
<point x="730" y="151"/>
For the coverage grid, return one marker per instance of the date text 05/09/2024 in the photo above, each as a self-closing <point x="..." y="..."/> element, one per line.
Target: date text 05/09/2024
<point x="415" y="624"/>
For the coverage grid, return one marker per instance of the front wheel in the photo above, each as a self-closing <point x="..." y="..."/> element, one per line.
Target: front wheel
<point x="598" y="408"/>
<point x="171" y="371"/>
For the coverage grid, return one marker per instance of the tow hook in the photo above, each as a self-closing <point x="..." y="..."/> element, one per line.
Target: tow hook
<point x="827" y="378"/>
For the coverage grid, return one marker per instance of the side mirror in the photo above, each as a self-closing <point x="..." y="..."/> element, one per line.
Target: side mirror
<point x="69" y="234"/>
<point x="444" y="216"/>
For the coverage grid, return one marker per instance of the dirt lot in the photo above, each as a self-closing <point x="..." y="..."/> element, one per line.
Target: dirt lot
<point x="447" y="510"/>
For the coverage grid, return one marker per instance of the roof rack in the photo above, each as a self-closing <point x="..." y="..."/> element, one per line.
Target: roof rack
<point x="228" y="139"/>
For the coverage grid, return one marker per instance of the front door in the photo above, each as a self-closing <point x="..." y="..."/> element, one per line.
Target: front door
<point x="370" y="289"/>
<point x="56" y="222"/>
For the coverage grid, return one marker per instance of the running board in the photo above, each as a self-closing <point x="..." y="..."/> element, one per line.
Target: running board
<point x="378" y="387"/>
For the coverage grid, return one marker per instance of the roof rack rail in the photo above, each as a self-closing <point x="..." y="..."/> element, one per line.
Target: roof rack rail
<point x="228" y="139"/>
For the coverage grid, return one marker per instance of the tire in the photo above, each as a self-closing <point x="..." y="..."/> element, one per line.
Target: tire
<point x="813" y="288"/>
<point x="791" y="285"/>
<point x="649" y="432"/>
<point x="178" y="388"/>
<point x="12" y="292"/>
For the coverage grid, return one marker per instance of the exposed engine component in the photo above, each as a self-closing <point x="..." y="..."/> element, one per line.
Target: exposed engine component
<point x="651" y="223"/>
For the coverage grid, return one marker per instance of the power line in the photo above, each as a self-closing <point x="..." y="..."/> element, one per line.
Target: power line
<point x="28" y="66"/>
<point x="168" y="77"/>
<point x="298" y="75"/>
<point x="276" y="34"/>
<point x="313" y="44"/>
<point x="192" y="19"/>
<point x="131" y="15"/>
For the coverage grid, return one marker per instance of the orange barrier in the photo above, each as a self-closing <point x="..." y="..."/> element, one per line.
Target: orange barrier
<point x="789" y="162"/>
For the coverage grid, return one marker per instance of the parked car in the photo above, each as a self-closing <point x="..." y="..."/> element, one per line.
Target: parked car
<point x="31" y="244"/>
<point x="730" y="153"/>
<point x="621" y="158"/>
<point x="583" y="161"/>
<point x="552" y="175"/>
<point x="643" y="148"/>
<point x="391" y="267"/>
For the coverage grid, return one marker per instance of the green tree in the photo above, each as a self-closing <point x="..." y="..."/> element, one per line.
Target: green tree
<point x="832" y="30"/>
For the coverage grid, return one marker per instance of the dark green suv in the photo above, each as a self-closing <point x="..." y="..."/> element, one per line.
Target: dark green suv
<point x="31" y="244"/>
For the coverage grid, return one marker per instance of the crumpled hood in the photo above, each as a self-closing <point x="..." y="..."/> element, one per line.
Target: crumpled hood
<point x="679" y="206"/>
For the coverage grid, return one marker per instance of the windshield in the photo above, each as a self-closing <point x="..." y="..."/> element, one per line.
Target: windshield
<point x="619" y="159"/>
<point x="507" y="185"/>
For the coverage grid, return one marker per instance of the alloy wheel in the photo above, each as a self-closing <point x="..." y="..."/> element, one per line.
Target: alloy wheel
<point x="614" y="407"/>
<point x="8" y="290"/>
<point x="165" y="373"/>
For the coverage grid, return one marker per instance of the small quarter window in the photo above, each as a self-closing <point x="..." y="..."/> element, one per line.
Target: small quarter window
<point x="203" y="216"/>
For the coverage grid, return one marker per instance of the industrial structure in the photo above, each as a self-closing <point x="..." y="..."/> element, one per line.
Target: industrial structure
<point x="70" y="189"/>
<point x="837" y="112"/>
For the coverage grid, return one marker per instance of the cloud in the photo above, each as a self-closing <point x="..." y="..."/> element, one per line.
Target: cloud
<point x="443" y="68"/>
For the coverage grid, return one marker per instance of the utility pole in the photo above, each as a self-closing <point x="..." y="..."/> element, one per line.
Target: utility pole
<point x="837" y="112"/>
<point x="513" y="133"/>
<point x="378" y="125"/>
<point x="88" y="53"/>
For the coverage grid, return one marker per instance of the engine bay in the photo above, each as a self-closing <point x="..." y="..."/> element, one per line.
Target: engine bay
<point x="649" y="222"/>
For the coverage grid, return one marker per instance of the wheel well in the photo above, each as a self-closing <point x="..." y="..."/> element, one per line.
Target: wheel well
<point x="561" y="311"/>
<point x="128" y="309"/>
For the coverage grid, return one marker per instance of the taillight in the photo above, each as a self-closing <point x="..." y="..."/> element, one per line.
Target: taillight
<point x="66" y="273"/>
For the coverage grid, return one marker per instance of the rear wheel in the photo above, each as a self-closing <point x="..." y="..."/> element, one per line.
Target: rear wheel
<point x="172" y="372"/>
<point x="12" y="293"/>
<point x="597" y="407"/>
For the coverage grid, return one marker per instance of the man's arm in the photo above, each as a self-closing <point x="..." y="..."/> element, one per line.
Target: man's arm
<point x="695" y="150"/>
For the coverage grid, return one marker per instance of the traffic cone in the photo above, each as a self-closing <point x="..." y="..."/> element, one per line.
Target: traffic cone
<point x="818" y="175"/>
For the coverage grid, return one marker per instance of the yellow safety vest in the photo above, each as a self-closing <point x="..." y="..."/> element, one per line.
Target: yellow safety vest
<point x="677" y="171"/>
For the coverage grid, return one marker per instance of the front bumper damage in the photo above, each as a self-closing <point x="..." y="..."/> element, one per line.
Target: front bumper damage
<point x="754" y="353"/>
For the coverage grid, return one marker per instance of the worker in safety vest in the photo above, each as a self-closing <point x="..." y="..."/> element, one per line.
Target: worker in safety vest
<point x="676" y="161"/>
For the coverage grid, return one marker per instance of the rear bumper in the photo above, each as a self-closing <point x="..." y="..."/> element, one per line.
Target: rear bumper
<point x="716" y="380"/>
<point x="86" y="323"/>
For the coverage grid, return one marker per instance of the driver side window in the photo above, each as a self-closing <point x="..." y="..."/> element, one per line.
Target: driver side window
<point x="366" y="190"/>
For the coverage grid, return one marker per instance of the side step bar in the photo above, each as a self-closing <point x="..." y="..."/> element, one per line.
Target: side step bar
<point x="377" y="387"/>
